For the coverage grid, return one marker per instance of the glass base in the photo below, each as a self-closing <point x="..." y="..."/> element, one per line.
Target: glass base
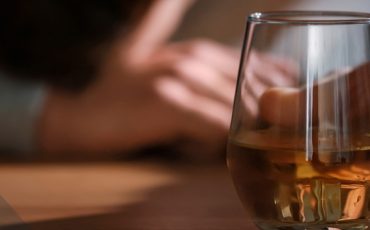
<point x="341" y="226"/>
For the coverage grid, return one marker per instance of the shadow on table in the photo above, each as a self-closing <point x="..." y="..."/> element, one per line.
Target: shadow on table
<point x="204" y="199"/>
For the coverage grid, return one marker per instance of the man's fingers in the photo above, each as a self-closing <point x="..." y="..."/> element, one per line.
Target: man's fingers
<point x="221" y="57"/>
<point x="282" y="106"/>
<point x="205" y="80"/>
<point x="272" y="71"/>
<point x="288" y="66"/>
<point x="203" y="77"/>
<point x="263" y="72"/>
<point x="155" y="28"/>
<point x="198" y="110"/>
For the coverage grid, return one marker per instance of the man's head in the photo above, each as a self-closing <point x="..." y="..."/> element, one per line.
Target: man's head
<point x="59" y="41"/>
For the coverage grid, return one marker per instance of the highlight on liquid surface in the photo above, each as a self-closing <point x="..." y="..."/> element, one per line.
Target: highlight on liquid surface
<point x="282" y="190"/>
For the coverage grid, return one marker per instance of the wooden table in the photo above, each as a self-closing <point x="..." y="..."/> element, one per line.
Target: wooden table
<point x="125" y="195"/>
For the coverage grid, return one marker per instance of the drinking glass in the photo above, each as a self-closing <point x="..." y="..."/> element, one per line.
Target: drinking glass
<point x="299" y="141"/>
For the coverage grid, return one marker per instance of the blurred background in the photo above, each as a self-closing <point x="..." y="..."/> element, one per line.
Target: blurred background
<point x="224" y="20"/>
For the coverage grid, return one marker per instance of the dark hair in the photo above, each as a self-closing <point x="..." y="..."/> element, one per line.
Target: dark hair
<point x="53" y="40"/>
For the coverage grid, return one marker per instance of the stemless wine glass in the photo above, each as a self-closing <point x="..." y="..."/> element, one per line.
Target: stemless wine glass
<point x="299" y="142"/>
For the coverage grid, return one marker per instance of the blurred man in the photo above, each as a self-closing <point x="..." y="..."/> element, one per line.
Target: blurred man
<point x="112" y="81"/>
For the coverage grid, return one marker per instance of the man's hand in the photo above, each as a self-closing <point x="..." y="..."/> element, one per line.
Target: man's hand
<point x="148" y="91"/>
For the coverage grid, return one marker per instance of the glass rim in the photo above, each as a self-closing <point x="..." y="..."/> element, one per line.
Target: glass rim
<point x="310" y="17"/>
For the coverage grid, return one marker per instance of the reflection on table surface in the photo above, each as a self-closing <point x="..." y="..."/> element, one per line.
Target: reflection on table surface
<point x="122" y="196"/>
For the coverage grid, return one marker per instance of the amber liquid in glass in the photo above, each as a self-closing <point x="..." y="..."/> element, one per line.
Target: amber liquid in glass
<point x="281" y="189"/>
